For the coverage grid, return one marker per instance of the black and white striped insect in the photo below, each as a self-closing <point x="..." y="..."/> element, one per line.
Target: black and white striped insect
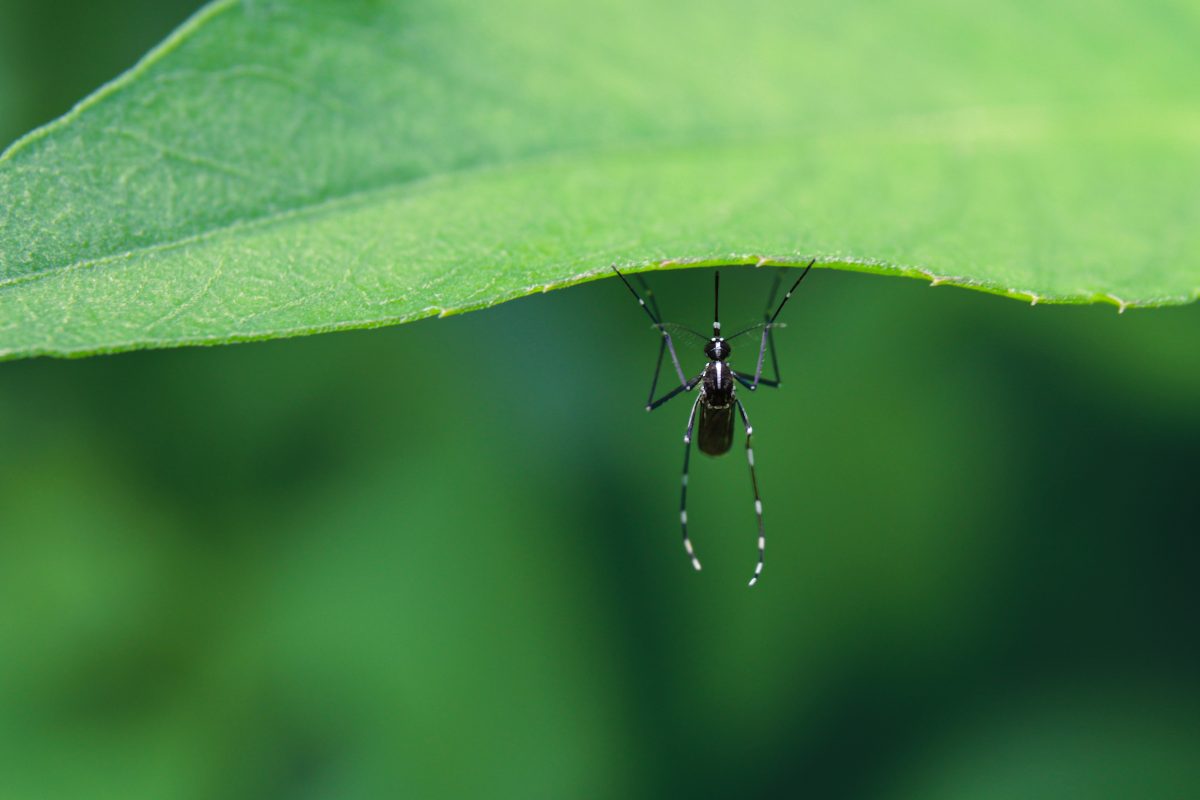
<point x="718" y="390"/>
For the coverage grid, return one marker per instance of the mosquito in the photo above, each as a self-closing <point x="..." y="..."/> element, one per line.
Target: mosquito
<point x="718" y="390"/>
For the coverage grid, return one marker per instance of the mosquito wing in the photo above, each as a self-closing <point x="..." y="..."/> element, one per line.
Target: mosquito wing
<point x="681" y="331"/>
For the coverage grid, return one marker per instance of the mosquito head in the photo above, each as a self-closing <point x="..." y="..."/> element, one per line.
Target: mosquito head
<point x="717" y="349"/>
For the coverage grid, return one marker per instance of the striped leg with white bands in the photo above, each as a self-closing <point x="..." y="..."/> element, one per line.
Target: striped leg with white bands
<point x="762" y="538"/>
<point x="687" y="454"/>
<point x="667" y="345"/>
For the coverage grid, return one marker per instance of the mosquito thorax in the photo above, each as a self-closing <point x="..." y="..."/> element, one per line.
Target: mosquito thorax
<point x="717" y="349"/>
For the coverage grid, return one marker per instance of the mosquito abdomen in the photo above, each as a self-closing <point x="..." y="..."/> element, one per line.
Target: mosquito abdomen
<point x="715" y="434"/>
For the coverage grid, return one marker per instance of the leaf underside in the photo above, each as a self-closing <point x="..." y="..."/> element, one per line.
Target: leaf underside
<point x="281" y="168"/>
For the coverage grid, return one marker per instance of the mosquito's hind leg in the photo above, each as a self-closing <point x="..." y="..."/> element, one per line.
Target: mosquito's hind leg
<point x="762" y="538"/>
<point x="687" y="454"/>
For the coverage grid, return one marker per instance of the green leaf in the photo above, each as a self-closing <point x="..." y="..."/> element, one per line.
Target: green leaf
<point x="280" y="167"/>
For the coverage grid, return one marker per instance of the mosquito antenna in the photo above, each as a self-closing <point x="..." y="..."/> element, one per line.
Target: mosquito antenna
<point x="787" y="296"/>
<point x="716" y="303"/>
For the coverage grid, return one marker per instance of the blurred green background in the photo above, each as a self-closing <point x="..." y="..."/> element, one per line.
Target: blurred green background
<point x="442" y="560"/>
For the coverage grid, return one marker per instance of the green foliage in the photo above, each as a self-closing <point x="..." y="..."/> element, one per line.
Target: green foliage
<point x="290" y="167"/>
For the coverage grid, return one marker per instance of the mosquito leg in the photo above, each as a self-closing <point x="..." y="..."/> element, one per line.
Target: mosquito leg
<point x="674" y="358"/>
<point x="686" y="387"/>
<point x="662" y="348"/>
<point x="788" y="296"/>
<point x="745" y="378"/>
<point x="774" y="361"/>
<point x="762" y="351"/>
<point x="667" y="342"/>
<point x="649" y="312"/>
<point x="687" y="454"/>
<point x="771" y="334"/>
<point x="651" y="300"/>
<point x="762" y="538"/>
<point x="652" y="312"/>
<point x="665" y="345"/>
<point x="768" y="340"/>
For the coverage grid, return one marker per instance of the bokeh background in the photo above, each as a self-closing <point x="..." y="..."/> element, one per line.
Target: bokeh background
<point x="442" y="560"/>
